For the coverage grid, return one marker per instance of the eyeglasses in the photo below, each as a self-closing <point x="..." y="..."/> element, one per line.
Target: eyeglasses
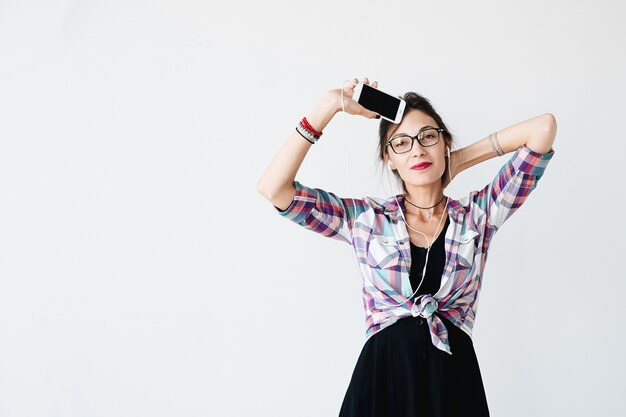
<point x="404" y="143"/>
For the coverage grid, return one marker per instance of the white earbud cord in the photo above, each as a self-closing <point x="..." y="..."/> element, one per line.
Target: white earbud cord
<point x="399" y="208"/>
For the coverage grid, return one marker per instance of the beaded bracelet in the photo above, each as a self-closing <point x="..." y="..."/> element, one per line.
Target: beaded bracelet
<point x="305" y="123"/>
<point x="307" y="139"/>
<point x="307" y="131"/>
<point x="306" y="134"/>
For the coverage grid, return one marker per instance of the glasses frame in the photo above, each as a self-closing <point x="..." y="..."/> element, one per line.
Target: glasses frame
<point x="414" y="138"/>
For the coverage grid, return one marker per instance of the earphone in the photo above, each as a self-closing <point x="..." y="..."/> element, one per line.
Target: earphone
<point x="398" y="205"/>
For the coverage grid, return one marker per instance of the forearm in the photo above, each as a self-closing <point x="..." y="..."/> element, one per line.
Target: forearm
<point x="537" y="133"/>
<point x="282" y="170"/>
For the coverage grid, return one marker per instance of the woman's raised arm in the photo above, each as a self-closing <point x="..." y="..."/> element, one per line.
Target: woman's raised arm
<point x="276" y="183"/>
<point x="531" y="141"/>
<point x="537" y="133"/>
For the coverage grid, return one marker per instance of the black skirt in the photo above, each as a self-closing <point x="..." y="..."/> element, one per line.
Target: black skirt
<point x="400" y="373"/>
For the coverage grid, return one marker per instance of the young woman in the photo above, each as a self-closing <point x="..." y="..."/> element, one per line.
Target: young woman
<point x="421" y="253"/>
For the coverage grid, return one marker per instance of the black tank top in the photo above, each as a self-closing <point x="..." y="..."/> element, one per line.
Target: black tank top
<point x="434" y="269"/>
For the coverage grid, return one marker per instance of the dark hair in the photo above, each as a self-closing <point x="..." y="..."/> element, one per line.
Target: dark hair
<point x="386" y="129"/>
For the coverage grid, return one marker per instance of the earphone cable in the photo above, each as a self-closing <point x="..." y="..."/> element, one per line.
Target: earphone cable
<point x="399" y="208"/>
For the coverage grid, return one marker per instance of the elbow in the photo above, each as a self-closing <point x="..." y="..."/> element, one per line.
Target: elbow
<point x="544" y="134"/>
<point x="266" y="190"/>
<point x="549" y="125"/>
<point x="261" y="188"/>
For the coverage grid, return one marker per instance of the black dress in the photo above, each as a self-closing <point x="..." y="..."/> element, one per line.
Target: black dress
<point x="400" y="373"/>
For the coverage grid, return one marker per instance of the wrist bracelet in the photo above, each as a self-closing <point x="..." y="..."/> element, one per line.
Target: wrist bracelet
<point x="306" y="133"/>
<point x="495" y="135"/>
<point x="305" y="123"/>
<point x="495" y="144"/>
<point x="307" y="139"/>
<point x="493" y="147"/>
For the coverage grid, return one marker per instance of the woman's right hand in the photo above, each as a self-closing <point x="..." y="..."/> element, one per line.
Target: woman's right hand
<point x="349" y="105"/>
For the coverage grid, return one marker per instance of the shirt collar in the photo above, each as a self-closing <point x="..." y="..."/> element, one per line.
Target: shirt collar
<point x="391" y="208"/>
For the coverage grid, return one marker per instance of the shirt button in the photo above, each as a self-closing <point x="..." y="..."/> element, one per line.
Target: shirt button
<point x="423" y="354"/>
<point x="420" y="321"/>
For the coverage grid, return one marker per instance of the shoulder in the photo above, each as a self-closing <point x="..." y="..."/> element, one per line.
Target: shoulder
<point x="377" y="203"/>
<point x="385" y="205"/>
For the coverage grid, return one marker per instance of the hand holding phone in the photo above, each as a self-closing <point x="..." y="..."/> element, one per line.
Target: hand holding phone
<point x="389" y="107"/>
<point x="349" y="105"/>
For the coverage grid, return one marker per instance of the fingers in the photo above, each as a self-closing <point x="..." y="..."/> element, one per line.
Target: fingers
<point x="374" y="84"/>
<point x="355" y="81"/>
<point x="348" y="86"/>
<point x="349" y="89"/>
<point x="352" y="83"/>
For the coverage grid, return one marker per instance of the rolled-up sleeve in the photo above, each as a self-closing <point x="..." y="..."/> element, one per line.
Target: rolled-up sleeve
<point x="323" y="212"/>
<point x="514" y="182"/>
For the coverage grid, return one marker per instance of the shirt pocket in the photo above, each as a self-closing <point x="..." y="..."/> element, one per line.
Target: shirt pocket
<point x="383" y="252"/>
<point x="468" y="244"/>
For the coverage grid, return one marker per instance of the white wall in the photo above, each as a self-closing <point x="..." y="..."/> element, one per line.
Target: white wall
<point x="142" y="274"/>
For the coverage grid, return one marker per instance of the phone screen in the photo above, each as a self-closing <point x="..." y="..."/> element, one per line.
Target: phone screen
<point x="382" y="103"/>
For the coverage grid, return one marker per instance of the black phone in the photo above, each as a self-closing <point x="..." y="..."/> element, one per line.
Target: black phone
<point x="389" y="107"/>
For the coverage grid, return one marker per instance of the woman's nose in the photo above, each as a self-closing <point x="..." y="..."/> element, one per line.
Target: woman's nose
<point x="418" y="149"/>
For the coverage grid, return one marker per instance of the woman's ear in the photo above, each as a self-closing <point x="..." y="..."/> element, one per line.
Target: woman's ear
<point x="387" y="161"/>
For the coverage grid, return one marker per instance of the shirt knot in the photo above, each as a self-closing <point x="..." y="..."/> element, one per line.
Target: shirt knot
<point x="424" y="305"/>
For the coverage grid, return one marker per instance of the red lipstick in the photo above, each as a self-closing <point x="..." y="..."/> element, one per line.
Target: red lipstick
<point x="421" y="165"/>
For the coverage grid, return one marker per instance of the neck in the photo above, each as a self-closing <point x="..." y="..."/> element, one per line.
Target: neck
<point x="425" y="196"/>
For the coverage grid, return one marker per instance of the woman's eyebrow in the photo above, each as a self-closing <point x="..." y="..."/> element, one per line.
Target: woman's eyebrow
<point x="423" y="128"/>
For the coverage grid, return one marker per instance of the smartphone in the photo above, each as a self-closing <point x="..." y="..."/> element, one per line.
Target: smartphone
<point x="389" y="107"/>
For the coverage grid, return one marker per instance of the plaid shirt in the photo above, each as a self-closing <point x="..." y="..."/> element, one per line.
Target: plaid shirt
<point x="375" y="229"/>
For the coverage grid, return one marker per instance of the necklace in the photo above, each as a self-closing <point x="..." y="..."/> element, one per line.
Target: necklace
<point x="436" y="229"/>
<point x="428" y="214"/>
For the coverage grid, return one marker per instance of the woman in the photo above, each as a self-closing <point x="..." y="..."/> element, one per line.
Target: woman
<point x="421" y="253"/>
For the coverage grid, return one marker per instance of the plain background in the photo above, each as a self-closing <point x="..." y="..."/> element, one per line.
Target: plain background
<point x="142" y="274"/>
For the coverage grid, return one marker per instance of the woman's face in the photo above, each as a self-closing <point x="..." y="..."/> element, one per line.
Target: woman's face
<point x="415" y="121"/>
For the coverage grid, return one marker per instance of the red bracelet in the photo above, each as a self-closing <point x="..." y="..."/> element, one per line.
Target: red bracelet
<point x="305" y="124"/>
